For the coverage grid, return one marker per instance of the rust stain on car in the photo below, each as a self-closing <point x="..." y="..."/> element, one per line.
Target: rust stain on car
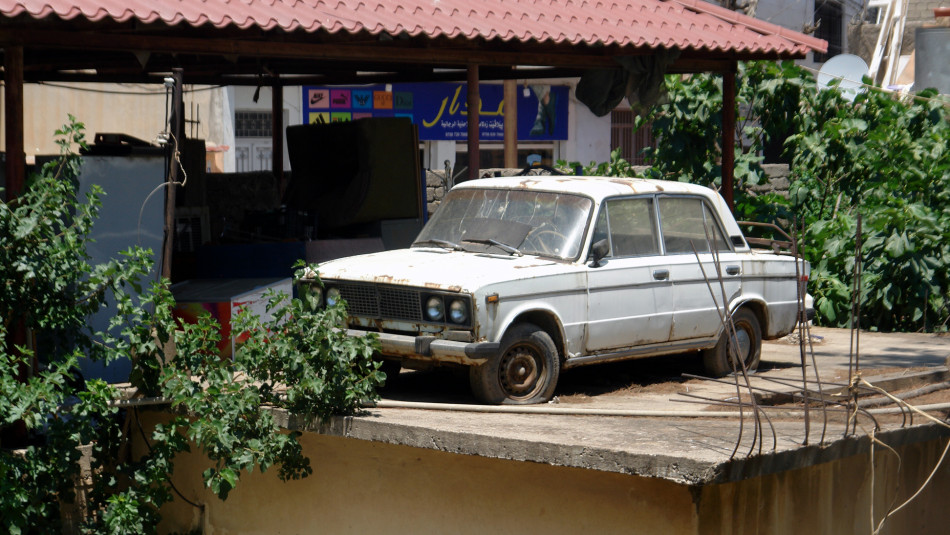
<point x="527" y="183"/>
<point x="389" y="279"/>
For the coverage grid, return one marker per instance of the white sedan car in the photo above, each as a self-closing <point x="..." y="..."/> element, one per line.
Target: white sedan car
<point x="520" y="278"/>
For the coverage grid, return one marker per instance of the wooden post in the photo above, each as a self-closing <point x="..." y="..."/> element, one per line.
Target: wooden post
<point x="473" y="105"/>
<point x="178" y="131"/>
<point x="277" y="134"/>
<point x="511" y="124"/>
<point x="13" y="127"/>
<point x="729" y="135"/>
<point x="15" y="434"/>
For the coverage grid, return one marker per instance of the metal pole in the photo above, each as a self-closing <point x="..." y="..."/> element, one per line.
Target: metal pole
<point x="729" y="135"/>
<point x="177" y="128"/>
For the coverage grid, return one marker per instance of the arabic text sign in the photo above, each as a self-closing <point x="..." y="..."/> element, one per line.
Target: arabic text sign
<point x="440" y="110"/>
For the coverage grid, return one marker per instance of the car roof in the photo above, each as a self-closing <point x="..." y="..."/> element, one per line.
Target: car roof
<point x="597" y="187"/>
<point x="601" y="187"/>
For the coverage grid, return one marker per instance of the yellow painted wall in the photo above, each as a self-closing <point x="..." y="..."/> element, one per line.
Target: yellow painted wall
<point x="367" y="487"/>
<point x="363" y="487"/>
<point x="134" y="109"/>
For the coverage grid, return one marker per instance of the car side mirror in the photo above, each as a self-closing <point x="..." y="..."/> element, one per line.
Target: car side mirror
<point x="599" y="250"/>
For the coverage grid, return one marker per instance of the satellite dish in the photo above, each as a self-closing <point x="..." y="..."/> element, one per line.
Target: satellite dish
<point x="847" y="68"/>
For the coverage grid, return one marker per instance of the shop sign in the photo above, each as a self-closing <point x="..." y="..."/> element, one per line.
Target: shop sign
<point x="440" y="110"/>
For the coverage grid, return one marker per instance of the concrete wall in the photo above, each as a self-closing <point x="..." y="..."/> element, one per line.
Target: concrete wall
<point x="242" y="99"/>
<point x="834" y="498"/>
<point x="588" y="135"/>
<point x="798" y="15"/>
<point x="368" y="487"/>
<point x="919" y="14"/>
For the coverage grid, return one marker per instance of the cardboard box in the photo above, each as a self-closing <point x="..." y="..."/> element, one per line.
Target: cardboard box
<point x="222" y="298"/>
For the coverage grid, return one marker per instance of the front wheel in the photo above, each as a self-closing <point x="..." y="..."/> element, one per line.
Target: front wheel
<point x="747" y="344"/>
<point x="391" y="368"/>
<point x="525" y="371"/>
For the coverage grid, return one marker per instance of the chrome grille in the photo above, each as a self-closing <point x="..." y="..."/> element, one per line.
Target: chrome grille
<point x="372" y="301"/>
<point x="361" y="299"/>
<point x="390" y="302"/>
<point x="398" y="303"/>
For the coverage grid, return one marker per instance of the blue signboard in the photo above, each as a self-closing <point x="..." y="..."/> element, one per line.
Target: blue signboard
<point x="440" y="110"/>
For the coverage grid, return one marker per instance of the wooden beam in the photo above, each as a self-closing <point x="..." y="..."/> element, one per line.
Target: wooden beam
<point x="277" y="135"/>
<point x="327" y="78"/>
<point x="511" y="123"/>
<point x="692" y="65"/>
<point x="377" y="51"/>
<point x="13" y="120"/>
<point x="729" y="136"/>
<point x="474" y="103"/>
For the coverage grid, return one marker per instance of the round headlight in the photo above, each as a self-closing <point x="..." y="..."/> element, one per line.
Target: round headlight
<point x="458" y="312"/>
<point x="333" y="296"/>
<point x="316" y="293"/>
<point x="435" y="309"/>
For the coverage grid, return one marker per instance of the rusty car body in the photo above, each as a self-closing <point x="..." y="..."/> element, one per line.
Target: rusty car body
<point x="520" y="278"/>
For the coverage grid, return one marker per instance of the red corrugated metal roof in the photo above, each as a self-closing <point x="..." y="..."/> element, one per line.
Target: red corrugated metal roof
<point x="684" y="24"/>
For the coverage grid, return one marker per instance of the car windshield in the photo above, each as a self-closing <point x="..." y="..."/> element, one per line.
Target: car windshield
<point x="522" y="222"/>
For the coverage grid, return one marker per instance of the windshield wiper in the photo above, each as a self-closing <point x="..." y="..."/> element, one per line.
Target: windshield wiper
<point x="503" y="246"/>
<point x="440" y="243"/>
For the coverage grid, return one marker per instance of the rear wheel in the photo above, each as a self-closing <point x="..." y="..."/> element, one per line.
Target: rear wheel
<point x="525" y="370"/>
<point x="747" y="344"/>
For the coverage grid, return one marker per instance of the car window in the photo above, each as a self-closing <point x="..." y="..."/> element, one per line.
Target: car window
<point x="686" y="222"/>
<point x="535" y="222"/>
<point x="631" y="225"/>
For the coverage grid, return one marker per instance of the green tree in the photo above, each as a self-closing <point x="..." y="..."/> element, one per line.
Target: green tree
<point x="886" y="160"/>
<point x="883" y="158"/>
<point x="297" y="360"/>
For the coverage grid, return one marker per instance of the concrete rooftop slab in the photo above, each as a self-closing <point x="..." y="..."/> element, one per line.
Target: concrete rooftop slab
<point x="694" y="449"/>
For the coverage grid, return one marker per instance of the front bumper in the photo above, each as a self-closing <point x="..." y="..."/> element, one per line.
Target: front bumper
<point x="432" y="348"/>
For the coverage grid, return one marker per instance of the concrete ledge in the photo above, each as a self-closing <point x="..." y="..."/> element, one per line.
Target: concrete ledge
<point x="690" y="451"/>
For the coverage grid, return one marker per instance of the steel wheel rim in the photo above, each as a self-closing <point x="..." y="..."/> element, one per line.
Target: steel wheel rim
<point x="520" y="371"/>
<point x="741" y="344"/>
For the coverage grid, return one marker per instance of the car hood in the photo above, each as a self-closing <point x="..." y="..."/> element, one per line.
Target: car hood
<point x="441" y="269"/>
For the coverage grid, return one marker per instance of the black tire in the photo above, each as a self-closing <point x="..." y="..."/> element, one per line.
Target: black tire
<point x="391" y="368"/>
<point x="720" y="360"/>
<point x="525" y="371"/>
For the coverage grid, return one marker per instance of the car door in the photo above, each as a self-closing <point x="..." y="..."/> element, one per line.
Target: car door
<point x="693" y="242"/>
<point x="629" y="300"/>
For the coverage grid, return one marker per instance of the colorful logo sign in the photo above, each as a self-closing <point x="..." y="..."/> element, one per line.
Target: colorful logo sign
<point x="440" y="110"/>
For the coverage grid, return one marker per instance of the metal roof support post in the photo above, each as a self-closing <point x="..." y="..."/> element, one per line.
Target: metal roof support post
<point x="178" y="132"/>
<point x="511" y="124"/>
<point x="277" y="133"/>
<point x="473" y="105"/>
<point x="729" y="134"/>
<point x="13" y="115"/>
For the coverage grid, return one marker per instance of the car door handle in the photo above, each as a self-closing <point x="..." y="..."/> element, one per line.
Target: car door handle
<point x="733" y="270"/>
<point x="661" y="274"/>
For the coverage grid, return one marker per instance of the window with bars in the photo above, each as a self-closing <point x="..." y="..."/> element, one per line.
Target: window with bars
<point x="631" y="143"/>
<point x="829" y="16"/>
<point x="253" y="124"/>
